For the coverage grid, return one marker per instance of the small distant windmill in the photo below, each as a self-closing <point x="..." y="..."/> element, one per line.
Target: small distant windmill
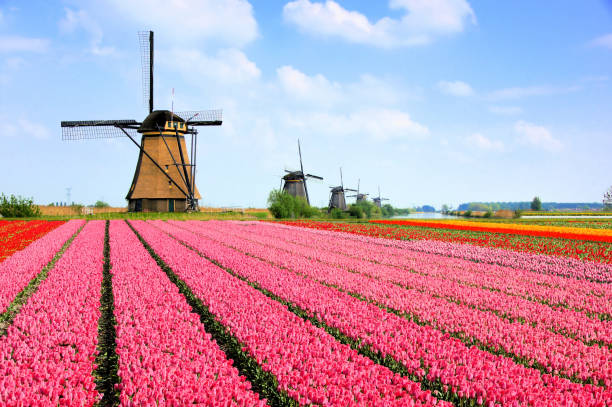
<point x="294" y="182"/>
<point x="164" y="180"/>
<point x="337" y="199"/>
<point x="607" y="201"/>
<point x="378" y="200"/>
<point x="360" y="197"/>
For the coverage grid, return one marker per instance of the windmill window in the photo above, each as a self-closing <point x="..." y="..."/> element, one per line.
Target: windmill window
<point x="166" y="168"/>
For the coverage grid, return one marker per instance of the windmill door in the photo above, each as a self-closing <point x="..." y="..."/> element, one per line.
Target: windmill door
<point x="170" y="205"/>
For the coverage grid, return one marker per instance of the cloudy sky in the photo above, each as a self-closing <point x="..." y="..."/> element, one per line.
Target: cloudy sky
<point x="436" y="101"/>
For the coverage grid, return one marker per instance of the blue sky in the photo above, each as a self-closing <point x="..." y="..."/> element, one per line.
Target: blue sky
<point x="437" y="101"/>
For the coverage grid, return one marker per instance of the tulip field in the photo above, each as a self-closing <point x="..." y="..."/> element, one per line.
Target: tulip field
<point x="221" y="313"/>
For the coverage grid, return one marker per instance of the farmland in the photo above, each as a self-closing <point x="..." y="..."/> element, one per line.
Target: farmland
<point x="135" y="312"/>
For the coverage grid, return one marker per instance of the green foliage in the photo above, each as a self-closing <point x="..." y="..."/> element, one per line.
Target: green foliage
<point x="18" y="207"/>
<point x="488" y="214"/>
<point x="356" y="211"/>
<point x="338" y="214"/>
<point x="387" y="210"/>
<point x="479" y="207"/>
<point x="467" y="213"/>
<point x="536" y="204"/>
<point x="282" y="205"/>
<point x="369" y="209"/>
<point x="517" y="213"/>
<point x="101" y="204"/>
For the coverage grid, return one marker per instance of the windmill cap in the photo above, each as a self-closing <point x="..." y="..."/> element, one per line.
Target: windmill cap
<point x="157" y="119"/>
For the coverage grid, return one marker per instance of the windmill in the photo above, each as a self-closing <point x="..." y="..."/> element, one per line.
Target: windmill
<point x="360" y="197"/>
<point x="294" y="182"/>
<point x="607" y="201"/>
<point x="336" y="199"/>
<point x="378" y="200"/>
<point x="164" y="179"/>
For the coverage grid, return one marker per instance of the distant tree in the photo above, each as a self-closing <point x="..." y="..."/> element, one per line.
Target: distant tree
<point x="283" y="205"/>
<point x="101" y="204"/>
<point x="445" y="208"/>
<point x="428" y="208"/>
<point x="18" y="207"/>
<point x="536" y="204"/>
<point x="387" y="210"/>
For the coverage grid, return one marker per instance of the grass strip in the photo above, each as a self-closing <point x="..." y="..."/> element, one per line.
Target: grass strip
<point x="107" y="360"/>
<point x="262" y="382"/>
<point x="6" y="318"/>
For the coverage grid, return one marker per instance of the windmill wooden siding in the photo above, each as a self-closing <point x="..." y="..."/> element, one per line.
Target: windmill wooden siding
<point x="151" y="186"/>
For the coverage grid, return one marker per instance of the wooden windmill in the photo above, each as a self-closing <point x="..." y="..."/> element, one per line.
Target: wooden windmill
<point x="378" y="200"/>
<point x="337" y="199"/>
<point x="294" y="182"/>
<point x="164" y="179"/>
<point x="359" y="196"/>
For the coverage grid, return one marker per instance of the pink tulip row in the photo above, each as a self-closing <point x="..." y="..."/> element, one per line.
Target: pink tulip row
<point x="557" y="353"/>
<point x="165" y="355"/>
<point x="21" y="267"/>
<point x="570" y="322"/>
<point x="424" y="351"/>
<point x="541" y="263"/>
<point x="581" y="295"/>
<point x="310" y="365"/>
<point x="48" y="354"/>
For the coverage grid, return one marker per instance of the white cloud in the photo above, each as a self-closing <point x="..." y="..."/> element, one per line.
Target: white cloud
<point x="521" y="92"/>
<point x="479" y="141"/>
<point x="300" y="86"/>
<point x="603" y="41"/>
<point x="16" y="43"/>
<point x="228" y="66"/>
<point x="23" y="127"/>
<point x="456" y="88"/>
<point x="75" y="20"/>
<point x="376" y="124"/>
<point x="536" y="136"/>
<point x="230" y="21"/>
<point x="423" y="21"/>
<point x="506" y="110"/>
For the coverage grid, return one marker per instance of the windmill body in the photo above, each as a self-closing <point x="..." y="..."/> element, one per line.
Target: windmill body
<point x="164" y="179"/>
<point x="337" y="198"/>
<point x="294" y="182"/>
<point x="150" y="189"/>
<point x="359" y="197"/>
<point x="378" y="200"/>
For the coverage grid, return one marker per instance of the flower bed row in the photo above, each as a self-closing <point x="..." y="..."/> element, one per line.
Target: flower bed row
<point x="48" y="354"/>
<point x="552" y="352"/>
<point x="310" y="365"/>
<point x="573" y="323"/>
<point x="23" y="266"/>
<point x="575" y="249"/>
<point x="428" y="354"/>
<point x="165" y="355"/>
<point x="559" y="232"/>
<point x="16" y="235"/>
<point x="535" y="256"/>
<point x="558" y="292"/>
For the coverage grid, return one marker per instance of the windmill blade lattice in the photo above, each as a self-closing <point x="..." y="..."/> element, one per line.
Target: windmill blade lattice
<point x="202" y="117"/>
<point x="97" y="129"/>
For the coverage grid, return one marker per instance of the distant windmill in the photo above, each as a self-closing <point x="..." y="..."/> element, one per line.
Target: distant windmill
<point x="378" y="200"/>
<point x="164" y="180"/>
<point x="294" y="182"/>
<point x="360" y="197"/>
<point x="607" y="201"/>
<point x="337" y="199"/>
